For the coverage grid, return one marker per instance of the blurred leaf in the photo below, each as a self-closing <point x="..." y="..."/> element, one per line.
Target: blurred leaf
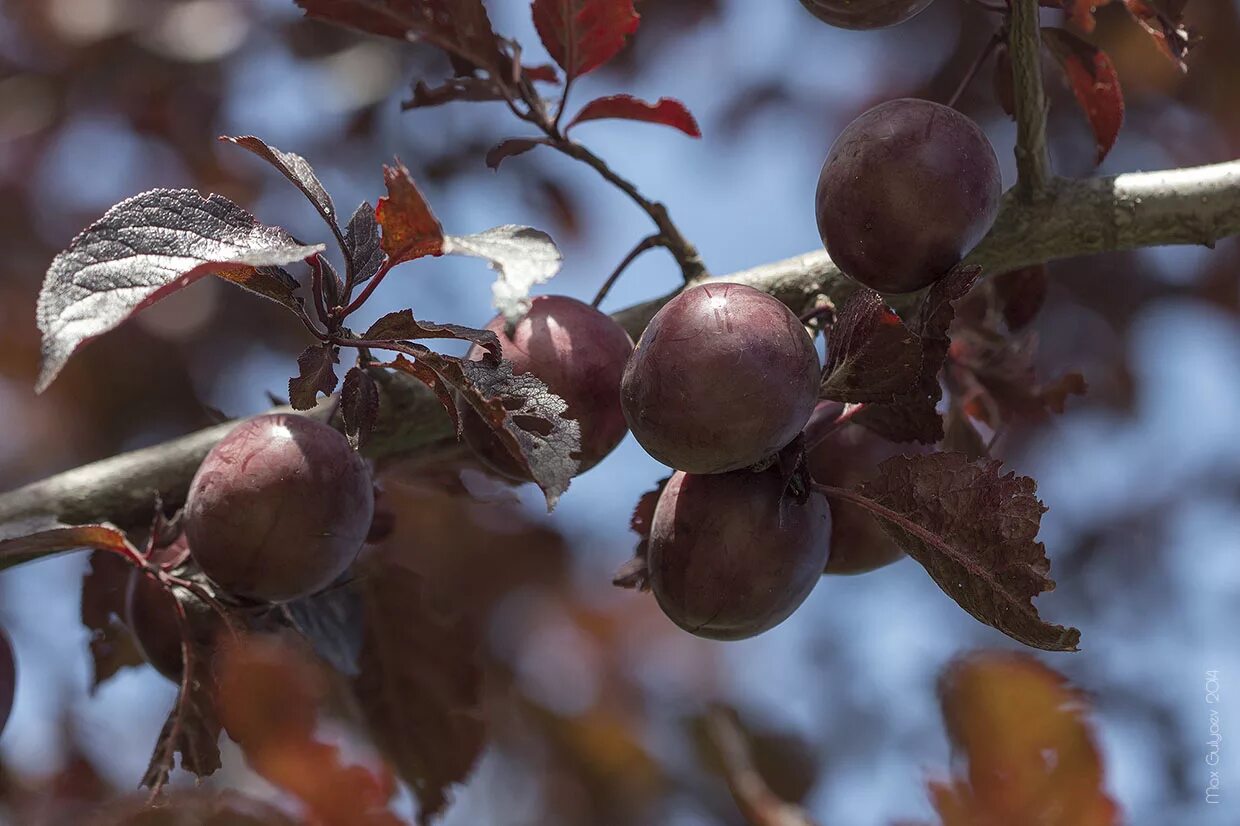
<point x="420" y="686"/>
<point x="999" y="379"/>
<point x="1021" y="294"/>
<point x="581" y="35"/>
<point x="523" y="257"/>
<point x="332" y="621"/>
<point x="317" y="374"/>
<point x="359" y="406"/>
<point x="913" y="416"/>
<point x="140" y="251"/>
<point x="1029" y="754"/>
<point x="401" y="325"/>
<point x="103" y="609"/>
<point x="510" y="148"/>
<point x="294" y="167"/>
<point x="974" y="532"/>
<point x="1094" y="81"/>
<point x="269" y="702"/>
<point x="410" y="229"/>
<point x="191" y="808"/>
<point x="460" y="27"/>
<point x="1163" y="20"/>
<point x="1005" y="92"/>
<point x="871" y="355"/>
<point x="666" y="111"/>
<point x="362" y="243"/>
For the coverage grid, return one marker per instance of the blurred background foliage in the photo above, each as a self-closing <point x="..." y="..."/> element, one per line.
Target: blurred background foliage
<point x="594" y="699"/>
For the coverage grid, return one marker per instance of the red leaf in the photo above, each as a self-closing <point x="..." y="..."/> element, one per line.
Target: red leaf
<point x="510" y="148"/>
<point x="667" y="112"/>
<point x="975" y="533"/>
<point x="1094" y="81"/>
<point x="871" y="355"/>
<point x="103" y="607"/>
<point x="633" y="574"/>
<point x="316" y="374"/>
<point x="1021" y="294"/>
<point x="410" y="229"/>
<point x="582" y="35"/>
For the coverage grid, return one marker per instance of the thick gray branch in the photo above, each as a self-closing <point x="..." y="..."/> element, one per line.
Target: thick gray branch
<point x="1185" y="206"/>
<point x="1033" y="162"/>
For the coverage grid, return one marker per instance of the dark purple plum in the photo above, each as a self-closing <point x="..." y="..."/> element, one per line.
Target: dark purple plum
<point x="731" y="555"/>
<point x="864" y="14"/>
<point x="151" y="615"/>
<point x="907" y="190"/>
<point x="279" y="508"/>
<point x="579" y="353"/>
<point x="723" y="377"/>
<point x="845" y="459"/>
<point x="8" y="679"/>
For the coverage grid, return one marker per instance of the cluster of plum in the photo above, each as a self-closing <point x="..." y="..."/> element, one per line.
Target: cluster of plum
<point x="725" y="376"/>
<point x="723" y="379"/>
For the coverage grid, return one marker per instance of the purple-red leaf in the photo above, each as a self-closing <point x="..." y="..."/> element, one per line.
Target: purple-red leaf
<point x="294" y="167"/>
<point x="419" y="685"/>
<point x="526" y="417"/>
<point x="871" y="355"/>
<point x="50" y="540"/>
<point x="581" y="35"/>
<point x="1094" y="81"/>
<point x="511" y="148"/>
<point x="402" y="326"/>
<point x="359" y="406"/>
<point x="913" y="416"/>
<point x="142" y="250"/>
<point x="410" y="229"/>
<point x="975" y="533"/>
<point x="666" y="111"/>
<point x="317" y="375"/>
<point x="459" y="27"/>
<point x="362" y="244"/>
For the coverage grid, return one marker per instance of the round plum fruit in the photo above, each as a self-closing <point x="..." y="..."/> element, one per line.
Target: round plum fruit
<point x="723" y="377"/>
<point x="864" y="14"/>
<point x="279" y="508"/>
<point x="579" y="353"/>
<point x="8" y="679"/>
<point x="151" y="616"/>
<point x="732" y="554"/>
<point x="907" y="190"/>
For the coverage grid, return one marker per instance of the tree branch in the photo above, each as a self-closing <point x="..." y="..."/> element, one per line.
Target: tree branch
<point x="1200" y="205"/>
<point x="1033" y="162"/>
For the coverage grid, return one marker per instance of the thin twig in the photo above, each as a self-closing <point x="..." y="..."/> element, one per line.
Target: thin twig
<point x="978" y="63"/>
<point x="1033" y="163"/>
<point x="759" y="805"/>
<point x="686" y="255"/>
<point x="647" y="243"/>
<point x="371" y="286"/>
